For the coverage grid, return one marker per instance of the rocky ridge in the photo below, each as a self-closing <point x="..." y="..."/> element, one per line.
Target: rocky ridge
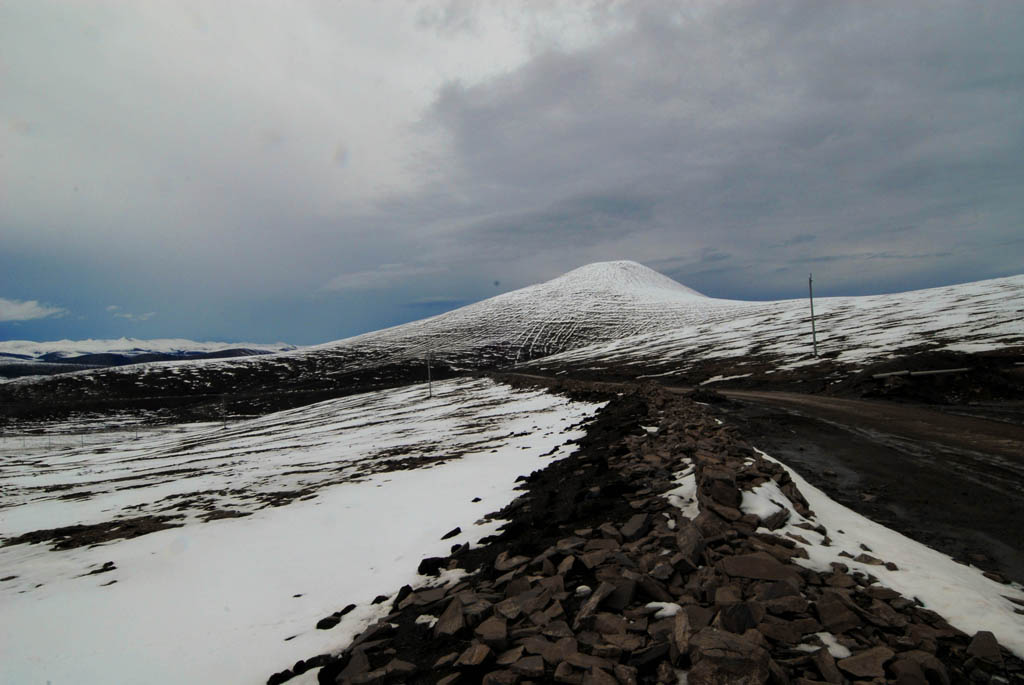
<point x="632" y="562"/>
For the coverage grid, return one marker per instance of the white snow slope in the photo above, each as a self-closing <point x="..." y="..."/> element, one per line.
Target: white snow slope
<point x="235" y="600"/>
<point x="970" y="317"/>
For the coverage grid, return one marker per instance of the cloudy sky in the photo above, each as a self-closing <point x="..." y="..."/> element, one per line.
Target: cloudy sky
<point x="304" y="170"/>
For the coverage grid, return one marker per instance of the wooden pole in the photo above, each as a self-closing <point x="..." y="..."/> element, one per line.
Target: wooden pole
<point x="814" y="332"/>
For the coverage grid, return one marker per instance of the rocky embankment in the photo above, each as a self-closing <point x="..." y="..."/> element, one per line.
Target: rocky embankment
<point x="631" y="562"/>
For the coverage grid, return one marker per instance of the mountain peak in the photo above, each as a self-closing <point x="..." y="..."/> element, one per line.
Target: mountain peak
<point x="624" y="275"/>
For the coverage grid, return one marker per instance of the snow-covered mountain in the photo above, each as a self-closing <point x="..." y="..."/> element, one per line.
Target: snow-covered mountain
<point x="19" y="358"/>
<point x="126" y="347"/>
<point x="619" y="316"/>
<point x="596" y="303"/>
<point x="769" y="337"/>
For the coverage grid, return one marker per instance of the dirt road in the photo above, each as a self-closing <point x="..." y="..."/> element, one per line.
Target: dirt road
<point x="953" y="482"/>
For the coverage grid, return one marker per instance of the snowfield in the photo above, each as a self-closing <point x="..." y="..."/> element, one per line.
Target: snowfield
<point x="971" y="317"/>
<point x="236" y="599"/>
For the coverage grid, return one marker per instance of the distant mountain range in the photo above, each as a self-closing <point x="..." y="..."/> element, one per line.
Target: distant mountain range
<point x="29" y="358"/>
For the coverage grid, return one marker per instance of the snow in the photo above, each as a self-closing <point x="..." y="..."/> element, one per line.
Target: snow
<point x="959" y="593"/>
<point x="234" y="600"/>
<point x="664" y="609"/>
<point x="129" y="347"/>
<point x="969" y="317"/>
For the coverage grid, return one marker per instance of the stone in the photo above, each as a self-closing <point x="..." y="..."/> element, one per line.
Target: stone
<point x="509" y="657"/>
<point x="503" y="677"/>
<point x="588" y="661"/>
<point x="474" y="655"/>
<point x="636" y="527"/>
<point x="835" y="616"/>
<point x="681" y="632"/>
<point x="626" y="675"/>
<point x="564" y="673"/>
<point x="826" y="666"/>
<point x="328" y="622"/>
<point x="493" y="630"/>
<point x="721" y="657"/>
<point x="593" y="601"/>
<point x="907" y="672"/>
<point x="867" y="664"/>
<point x="507" y="562"/>
<point x="985" y="647"/>
<point x="759" y="566"/>
<point x="622" y="596"/>
<point x="566" y="565"/>
<point x="399" y="667"/>
<point x="529" y="667"/>
<point x="654" y="590"/>
<point x="599" y="676"/>
<point x="786" y="605"/>
<point x="452" y="533"/>
<point x="508" y="608"/>
<point x="605" y="622"/>
<point x="357" y="664"/>
<point x="557" y="629"/>
<point x="446" y="660"/>
<point x="431" y="566"/>
<point x="691" y="546"/>
<point x="451" y="620"/>
<point x="934" y="670"/>
<point x="740" y="617"/>
<point x="625" y="642"/>
<point x="726" y="595"/>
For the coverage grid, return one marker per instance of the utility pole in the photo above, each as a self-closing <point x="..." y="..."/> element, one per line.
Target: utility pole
<point x="430" y="383"/>
<point x="814" y="332"/>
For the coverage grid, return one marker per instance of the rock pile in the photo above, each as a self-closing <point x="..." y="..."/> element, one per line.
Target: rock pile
<point x="600" y="577"/>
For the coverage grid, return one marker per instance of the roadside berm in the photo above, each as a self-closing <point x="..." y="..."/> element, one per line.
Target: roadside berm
<point x="632" y="561"/>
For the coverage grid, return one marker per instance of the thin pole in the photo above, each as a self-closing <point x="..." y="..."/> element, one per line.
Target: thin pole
<point x="814" y="332"/>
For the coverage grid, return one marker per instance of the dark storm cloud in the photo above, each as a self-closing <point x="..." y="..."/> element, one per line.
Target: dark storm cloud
<point x="253" y="170"/>
<point x="831" y="132"/>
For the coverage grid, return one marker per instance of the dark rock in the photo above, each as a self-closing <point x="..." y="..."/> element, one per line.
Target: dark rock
<point x="595" y="599"/>
<point x="510" y="657"/>
<point x="451" y="620"/>
<point x="867" y="664"/>
<point x="907" y="672"/>
<point x="328" y="622"/>
<point x="452" y="533"/>
<point x="431" y="566"/>
<point x="985" y="647"/>
<point x="474" y="655"/>
<point x="500" y="678"/>
<point x="740" y="617"/>
<point x="691" y="545"/>
<point x="379" y="599"/>
<point x="636" y="527"/>
<point x="722" y="657"/>
<point x="493" y="630"/>
<point x="507" y="562"/>
<point x="759" y="566"/>
<point x="529" y="667"/>
<point x="626" y="675"/>
<point x="826" y="666"/>
<point x="835" y="616"/>
<point x="599" y="676"/>
<point x="564" y="673"/>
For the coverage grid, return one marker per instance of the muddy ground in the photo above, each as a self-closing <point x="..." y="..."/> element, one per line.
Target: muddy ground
<point x="954" y="483"/>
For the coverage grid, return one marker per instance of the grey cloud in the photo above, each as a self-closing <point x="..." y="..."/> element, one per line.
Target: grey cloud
<point x="27" y="310"/>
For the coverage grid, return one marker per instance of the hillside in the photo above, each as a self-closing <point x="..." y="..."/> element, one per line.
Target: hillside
<point x="617" y="319"/>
